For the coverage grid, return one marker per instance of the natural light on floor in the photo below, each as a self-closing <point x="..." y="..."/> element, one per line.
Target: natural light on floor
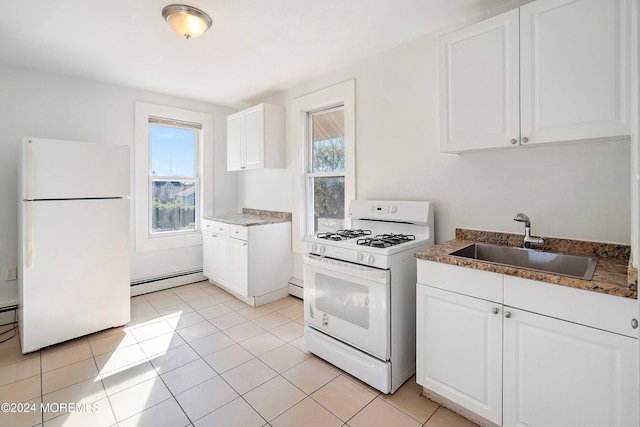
<point x="197" y="356"/>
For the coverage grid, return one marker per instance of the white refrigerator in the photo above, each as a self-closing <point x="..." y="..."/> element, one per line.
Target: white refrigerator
<point x="73" y="240"/>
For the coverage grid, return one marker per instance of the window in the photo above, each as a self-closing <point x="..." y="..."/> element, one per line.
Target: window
<point x="174" y="178"/>
<point x="173" y="172"/>
<point x="326" y="170"/>
<point x="324" y="154"/>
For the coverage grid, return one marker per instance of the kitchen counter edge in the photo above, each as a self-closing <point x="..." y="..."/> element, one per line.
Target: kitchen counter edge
<point x="251" y="217"/>
<point x="610" y="276"/>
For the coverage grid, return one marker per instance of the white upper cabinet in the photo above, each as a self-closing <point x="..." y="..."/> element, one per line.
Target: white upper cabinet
<point x="550" y="71"/>
<point x="235" y="146"/>
<point x="255" y="138"/>
<point x="574" y="70"/>
<point x="479" y="85"/>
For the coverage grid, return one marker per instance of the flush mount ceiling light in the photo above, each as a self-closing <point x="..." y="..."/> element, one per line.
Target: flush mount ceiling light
<point x="186" y="20"/>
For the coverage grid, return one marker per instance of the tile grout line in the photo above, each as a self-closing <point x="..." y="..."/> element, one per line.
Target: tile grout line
<point x="113" y="412"/>
<point x="329" y="410"/>
<point x="162" y="379"/>
<point x="155" y="312"/>
<point x="147" y="359"/>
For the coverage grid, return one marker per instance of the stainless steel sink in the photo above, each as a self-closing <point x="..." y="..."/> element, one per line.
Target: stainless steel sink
<point x="578" y="266"/>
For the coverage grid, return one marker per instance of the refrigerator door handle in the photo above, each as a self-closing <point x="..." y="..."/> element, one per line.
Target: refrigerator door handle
<point x="30" y="240"/>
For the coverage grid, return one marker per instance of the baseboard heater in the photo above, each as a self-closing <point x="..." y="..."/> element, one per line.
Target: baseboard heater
<point x="158" y="283"/>
<point x="296" y="287"/>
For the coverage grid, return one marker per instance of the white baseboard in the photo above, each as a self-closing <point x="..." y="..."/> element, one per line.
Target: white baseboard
<point x="160" y="284"/>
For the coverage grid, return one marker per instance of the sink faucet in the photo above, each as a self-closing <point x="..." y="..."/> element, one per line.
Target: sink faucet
<point x="529" y="241"/>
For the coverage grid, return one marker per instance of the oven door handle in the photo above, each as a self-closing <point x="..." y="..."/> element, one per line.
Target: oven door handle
<point x="374" y="274"/>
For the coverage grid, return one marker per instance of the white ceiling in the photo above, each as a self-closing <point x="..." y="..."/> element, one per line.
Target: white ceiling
<point x="254" y="47"/>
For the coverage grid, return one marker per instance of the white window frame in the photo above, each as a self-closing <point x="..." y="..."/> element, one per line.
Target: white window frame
<point x="340" y="94"/>
<point x="144" y="240"/>
<point x="197" y="180"/>
<point x="310" y="195"/>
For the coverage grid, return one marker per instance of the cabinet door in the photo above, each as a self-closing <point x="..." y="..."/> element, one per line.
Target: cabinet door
<point x="459" y="350"/>
<point x="479" y="86"/>
<point x="574" y="69"/>
<point x="221" y="259"/>
<point x="254" y="137"/>
<point x="239" y="267"/>
<point x="235" y="142"/>
<point x="558" y="373"/>
<point x="208" y="242"/>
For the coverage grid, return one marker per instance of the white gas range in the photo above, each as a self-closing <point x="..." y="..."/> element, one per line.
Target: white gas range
<point x="359" y="294"/>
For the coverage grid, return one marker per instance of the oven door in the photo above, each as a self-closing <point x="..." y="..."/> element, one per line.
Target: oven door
<point x="349" y="302"/>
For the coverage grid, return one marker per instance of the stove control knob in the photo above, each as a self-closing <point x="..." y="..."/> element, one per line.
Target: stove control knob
<point x="321" y="249"/>
<point x="358" y="256"/>
<point x="369" y="259"/>
<point x="313" y="248"/>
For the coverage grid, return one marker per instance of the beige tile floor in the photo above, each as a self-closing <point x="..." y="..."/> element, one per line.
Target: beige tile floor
<point x="196" y="356"/>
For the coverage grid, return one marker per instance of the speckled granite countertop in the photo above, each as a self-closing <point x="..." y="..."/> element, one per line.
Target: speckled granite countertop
<point x="250" y="217"/>
<point x="612" y="275"/>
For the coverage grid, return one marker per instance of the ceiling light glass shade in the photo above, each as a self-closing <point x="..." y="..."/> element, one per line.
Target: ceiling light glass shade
<point x="186" y="20"/>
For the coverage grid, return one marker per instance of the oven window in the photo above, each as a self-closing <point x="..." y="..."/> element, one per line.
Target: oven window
<point x="343" y="299"/>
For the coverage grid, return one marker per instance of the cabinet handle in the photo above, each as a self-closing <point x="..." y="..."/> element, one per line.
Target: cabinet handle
<point x="495" y="310"/>
<point x="634" y="323"/>
<point x="507" y="314"/>
<point x="525" y="140"/>
<point x="513" y="141"/>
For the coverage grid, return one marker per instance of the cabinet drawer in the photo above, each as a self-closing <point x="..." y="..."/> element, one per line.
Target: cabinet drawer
<point x="467" y="281"/>
<point x="215" y="227"/>
<point x="239" y="232"/>
<point x="602" y="311"/>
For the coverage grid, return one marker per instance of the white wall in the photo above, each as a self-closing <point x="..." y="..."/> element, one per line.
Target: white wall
<point x="53" y="106"/>
<point x="579" y="191"/>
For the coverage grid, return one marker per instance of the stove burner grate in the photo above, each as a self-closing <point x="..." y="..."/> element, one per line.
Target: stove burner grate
<point x="343" y="234"/>
<point x="385" y="240"/>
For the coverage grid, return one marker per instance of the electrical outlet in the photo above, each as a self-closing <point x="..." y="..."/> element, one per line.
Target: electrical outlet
<point x="10" y="273"/>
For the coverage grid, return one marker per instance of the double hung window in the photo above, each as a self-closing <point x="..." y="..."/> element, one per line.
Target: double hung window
<point x="174" y="178"/>
<point x="326" y="170"/>
<point x="324" y="154"/>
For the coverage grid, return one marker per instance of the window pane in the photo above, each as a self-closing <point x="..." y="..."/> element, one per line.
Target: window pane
<point x="172" y="151"/>
<point x="173" y="205"/>
<point x="328" y="142"/>
<point x="328" y="155"/>
<point x="328" y="204"/>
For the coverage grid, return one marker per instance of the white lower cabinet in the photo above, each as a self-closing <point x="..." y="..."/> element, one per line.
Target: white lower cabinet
<point x="247" y="261"/>
<point x="560" y="374"/>
<point x="459" y="347"/>
<point x="215" y="251"/>
<point x="239" y="266"/>
<point x="513" y="360"/>
<point x="208" y="243"/>
<point x="221" y="259"/>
